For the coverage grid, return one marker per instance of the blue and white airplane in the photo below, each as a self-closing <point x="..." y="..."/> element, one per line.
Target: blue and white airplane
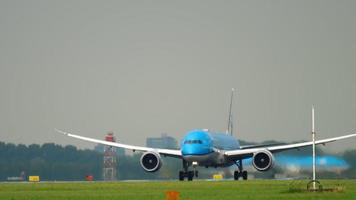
<point x="210" y="149"/>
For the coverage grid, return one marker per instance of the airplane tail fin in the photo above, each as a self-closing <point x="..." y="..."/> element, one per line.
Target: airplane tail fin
<point x="230" y="126"/>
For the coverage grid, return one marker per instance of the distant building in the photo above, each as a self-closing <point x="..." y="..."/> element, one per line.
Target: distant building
<point x="164" y="141"/>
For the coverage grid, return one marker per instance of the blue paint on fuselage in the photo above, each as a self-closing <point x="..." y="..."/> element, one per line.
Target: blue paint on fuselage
<point x="201" y="142"/>
<point x="191" y="146"/>
<point x="224" y="141"/>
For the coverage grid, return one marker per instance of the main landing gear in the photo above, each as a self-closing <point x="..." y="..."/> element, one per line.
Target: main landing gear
<point x="240" y="172"/>
<point x="187" y="174"/>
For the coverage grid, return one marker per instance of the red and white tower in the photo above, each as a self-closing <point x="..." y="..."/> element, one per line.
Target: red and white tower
<point x="110" y="160"/>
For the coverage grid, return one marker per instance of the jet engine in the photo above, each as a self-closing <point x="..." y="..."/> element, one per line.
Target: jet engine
<point x="263" y="160"/>
<point x="151" y="161"/>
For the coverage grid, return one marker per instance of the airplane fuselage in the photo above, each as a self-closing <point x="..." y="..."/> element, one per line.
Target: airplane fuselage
<point x="206" y="148"/>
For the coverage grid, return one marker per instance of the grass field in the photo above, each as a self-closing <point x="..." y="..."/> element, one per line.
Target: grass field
<point x="252" y="189"/>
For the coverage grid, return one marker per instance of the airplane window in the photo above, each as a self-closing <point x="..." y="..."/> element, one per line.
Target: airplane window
<point x="193" y="142"/>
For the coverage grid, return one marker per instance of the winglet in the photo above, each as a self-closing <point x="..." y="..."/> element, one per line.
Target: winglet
<point x="59" y="131"/>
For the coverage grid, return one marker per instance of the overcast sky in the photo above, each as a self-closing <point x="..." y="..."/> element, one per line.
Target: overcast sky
<point x="141" y="68"/>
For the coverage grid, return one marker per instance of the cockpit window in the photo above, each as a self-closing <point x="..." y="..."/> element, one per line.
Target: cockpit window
<point x="193" y="142"/>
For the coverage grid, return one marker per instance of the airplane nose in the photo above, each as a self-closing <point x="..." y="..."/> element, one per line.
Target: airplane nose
<point x="197" y="142"/>
<point x="188" y="150"/>
<point x="197" y="149"/>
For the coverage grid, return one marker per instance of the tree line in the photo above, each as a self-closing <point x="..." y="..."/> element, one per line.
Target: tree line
<point x="55" y="162"/>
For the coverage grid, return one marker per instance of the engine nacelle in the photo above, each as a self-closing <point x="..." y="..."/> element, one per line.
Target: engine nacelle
<point x="151" y="161"/>
<point x="263" y="160"/>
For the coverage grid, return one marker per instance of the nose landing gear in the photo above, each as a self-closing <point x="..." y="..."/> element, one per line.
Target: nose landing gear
<point x="195" y="164"/>
<point x="188" y="174"/>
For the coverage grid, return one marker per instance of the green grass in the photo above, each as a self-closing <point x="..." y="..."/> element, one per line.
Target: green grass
<point x="252" y="189"/>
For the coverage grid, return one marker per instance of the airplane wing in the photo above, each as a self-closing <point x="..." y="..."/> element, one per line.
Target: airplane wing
<point x="260" y="145"/>
<point x="165" y="152"/>
<point x="245" y="153"/>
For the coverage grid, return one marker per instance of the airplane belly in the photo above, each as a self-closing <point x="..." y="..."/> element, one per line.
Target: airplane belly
<point x="213" y="159"/>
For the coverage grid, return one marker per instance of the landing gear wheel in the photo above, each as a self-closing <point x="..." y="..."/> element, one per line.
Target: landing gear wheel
<point x="190" y="175"/>
<point x="236" y="175"/>
<point x="244" y="175"/>
<point x="181" y="176"/>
